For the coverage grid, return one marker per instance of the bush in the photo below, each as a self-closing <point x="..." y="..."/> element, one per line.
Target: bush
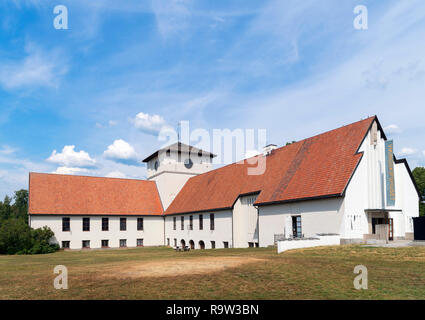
<point x="16" y="237"/>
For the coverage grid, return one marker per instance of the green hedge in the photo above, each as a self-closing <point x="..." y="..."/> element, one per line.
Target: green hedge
<point x="16" y="237"/>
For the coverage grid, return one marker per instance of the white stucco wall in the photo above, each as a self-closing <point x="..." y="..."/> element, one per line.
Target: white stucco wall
<point x="222" y="231"/>
<point x="152" y="235"/>
<point x="317" y="216"/>
<point x="367" y="191"/>
<point x="245" y="222"/>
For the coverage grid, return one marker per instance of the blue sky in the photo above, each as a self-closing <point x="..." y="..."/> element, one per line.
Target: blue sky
<point x="90" y="99"/>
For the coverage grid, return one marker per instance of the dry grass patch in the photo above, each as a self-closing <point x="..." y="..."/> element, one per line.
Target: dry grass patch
<point x="175" y="267"/>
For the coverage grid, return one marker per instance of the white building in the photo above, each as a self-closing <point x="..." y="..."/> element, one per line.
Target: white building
<point x="345" y="181"/>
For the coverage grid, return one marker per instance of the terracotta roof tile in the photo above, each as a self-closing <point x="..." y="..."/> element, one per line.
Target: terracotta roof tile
<point x="320" y="166"/>
<point x="78" y="195"/>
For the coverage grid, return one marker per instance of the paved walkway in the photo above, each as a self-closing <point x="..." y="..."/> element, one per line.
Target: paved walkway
<point x="397" y="244"/>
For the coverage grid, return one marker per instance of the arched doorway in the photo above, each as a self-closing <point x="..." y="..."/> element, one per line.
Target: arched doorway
<point x="192" y="244"/>
<point x="183" y="243"/>
<point x="201" y="245"/>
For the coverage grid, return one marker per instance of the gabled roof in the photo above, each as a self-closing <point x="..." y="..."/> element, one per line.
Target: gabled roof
<point x="79" y="195"/>
<point x="314" y="168"/>
<point x="181" y="148"/>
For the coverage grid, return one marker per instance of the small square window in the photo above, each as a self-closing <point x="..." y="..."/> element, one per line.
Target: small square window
<point x="123" y="243"/>
<point x="212" y="244"/>
<point x="86" y="244"/>
<point x="65" y="244"/>
<point x="105" y="243"/>
<point x="140" y="242"/>
<point x="226" y="244"/>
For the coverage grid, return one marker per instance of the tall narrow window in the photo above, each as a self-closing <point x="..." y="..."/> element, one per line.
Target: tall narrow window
<point x="174" y="223"/>
<point x="175" y="242"/>
<point x="182" y="222"/>
<point x="105" y="224"/>
<point x="123" y="224"/>
<point x="296" y="227"/>
<point x="191" y="222"/>
<point x="86" y="224"/>
<point x="212" y="224"/>
<point x="140" y="224"/>
<point x="201" y="222"/>
<point x="66" y="224"/>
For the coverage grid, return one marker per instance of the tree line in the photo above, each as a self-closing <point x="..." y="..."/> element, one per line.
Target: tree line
<point x="16" y="236"/>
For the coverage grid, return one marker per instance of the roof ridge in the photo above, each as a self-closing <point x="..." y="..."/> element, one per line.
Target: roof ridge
<point x="86" y="176"/>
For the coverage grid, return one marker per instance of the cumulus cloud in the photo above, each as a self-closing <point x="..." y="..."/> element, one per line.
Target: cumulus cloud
<point x="71" y="159"/>
<point x="122" y="152"/>
<point x="408" y="151"/>
<point x="37" y="69"/>
<point x="68" y="170"/>
<point x="151" y="124"/>
<point x="392" y="128"/>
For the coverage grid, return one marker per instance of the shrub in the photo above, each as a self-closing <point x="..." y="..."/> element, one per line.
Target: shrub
<point x="16" y="237"/>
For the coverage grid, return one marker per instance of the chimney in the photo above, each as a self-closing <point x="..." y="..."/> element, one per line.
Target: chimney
<point x="268" y="149"/>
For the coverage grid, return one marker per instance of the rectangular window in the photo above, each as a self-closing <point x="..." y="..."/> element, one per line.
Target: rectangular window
<point x="168" y="241"/>
<point x="65" y="244"/>
<point x="140" y="224"/>
<point x="296" y="227"/>
<point x="212" y="244"/>
<point x="212" y="226"/>
<point x="86" y="244"/>
<point x="201" y="222"/>
<point x="105" y="224"/>
<point x="123" y="243"/>
<point x="182" y="222"/>
<point x="105" y="243"/>
<point x="251" y="244"/>
<point x="86" y="224"/>
<point x="175" y="242"/>
<point x="66" y="224"/>
<point x="191" y="223"/>
<point x="226" y="244"/>
<point x="174" y="223"/>
<point x="123" y="224"/>
<point x="140" y="242"/>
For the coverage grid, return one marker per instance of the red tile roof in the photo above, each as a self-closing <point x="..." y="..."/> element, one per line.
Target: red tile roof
<point x="78" y="195"/>
<point x="316" y="167"/>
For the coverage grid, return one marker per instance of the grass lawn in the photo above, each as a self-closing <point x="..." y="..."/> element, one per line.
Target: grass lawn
<point x="161" y="273"/>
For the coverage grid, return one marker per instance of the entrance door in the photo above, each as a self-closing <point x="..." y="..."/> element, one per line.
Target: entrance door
<point x="390" y="229"/>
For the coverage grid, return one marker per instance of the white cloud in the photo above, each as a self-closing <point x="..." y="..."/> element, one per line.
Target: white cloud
<point x="392" y="128"/>
<point x="423" y="152"/>
<point x="37" y="69"/>
<point x="151" y="124"/>
<point x="70" y="158"/>
<point x="116" y="174"/>
<point x="407" y="151"/>
<point x="7" y="150"/>
<point x="171" y="16"/>
<point x="122" y="152"/>
<point x="69" y="170"/>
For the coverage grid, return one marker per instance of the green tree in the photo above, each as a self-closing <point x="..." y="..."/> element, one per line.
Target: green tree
<point x="20" y="205"/>
<point x="15" y="236"/>
<point x="419" y="176"/>
<point x="5" y="209"/>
